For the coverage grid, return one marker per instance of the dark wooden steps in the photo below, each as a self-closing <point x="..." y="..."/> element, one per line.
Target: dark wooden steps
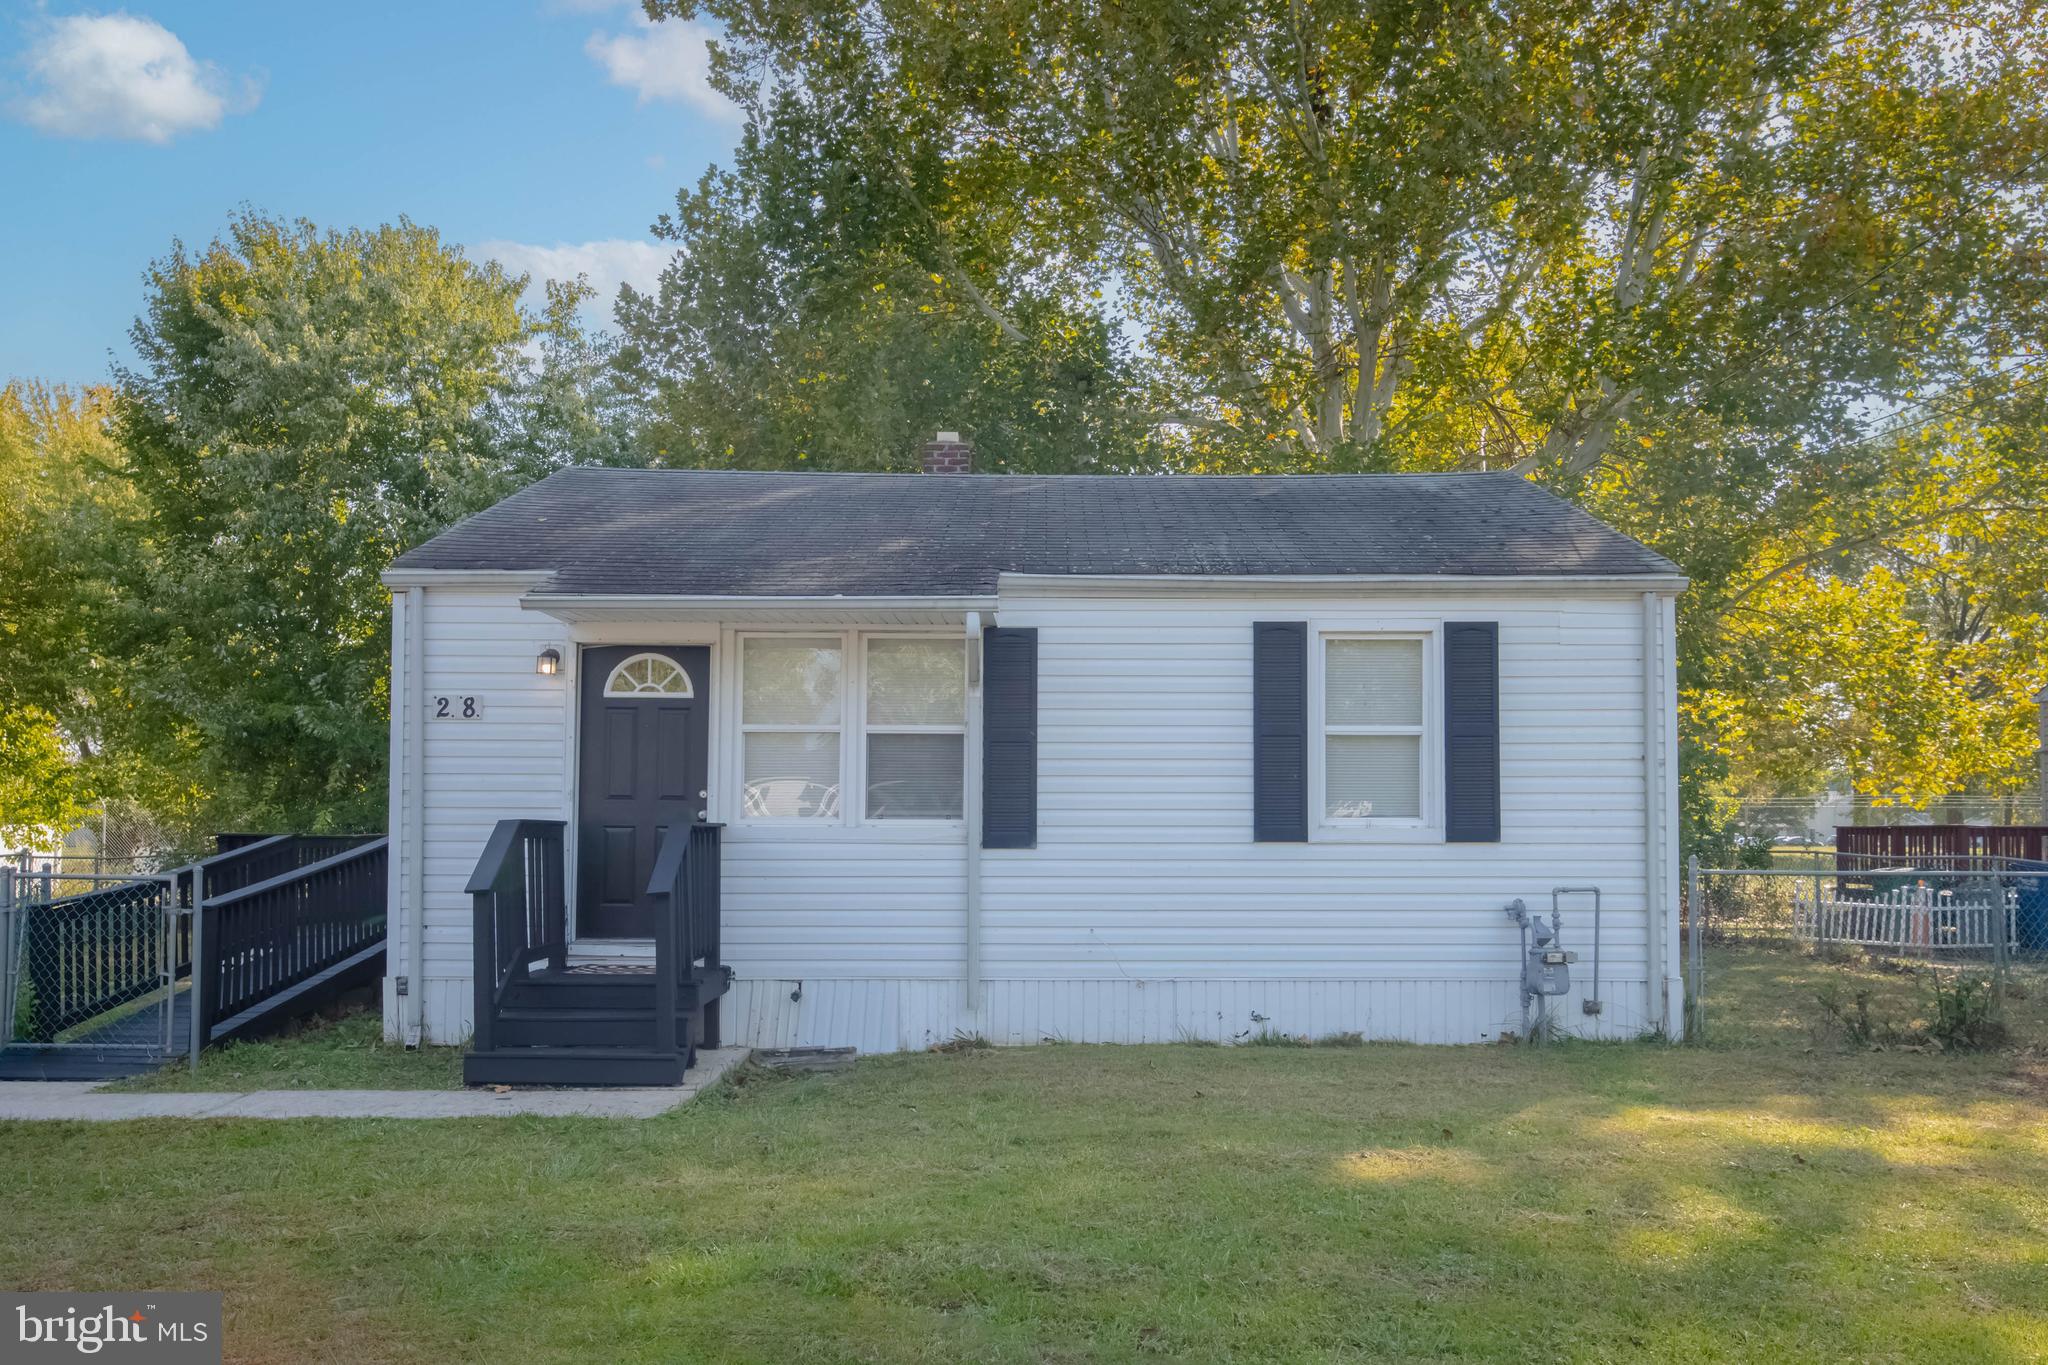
<point x="520" y="1026"/>
<point x="591" y="1025"/>
<point x="541" y="1019"/>
<point x="574" y="1066"/>
<point x="584" y="988"/>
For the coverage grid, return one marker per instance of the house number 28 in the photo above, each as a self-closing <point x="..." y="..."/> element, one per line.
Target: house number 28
<point x="458" y="708"/>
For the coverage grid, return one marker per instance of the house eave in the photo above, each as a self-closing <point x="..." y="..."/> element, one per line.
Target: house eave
<point x="506" y="579"/>
<point x="1099" y="585"/>
<point x="593" y="608"/>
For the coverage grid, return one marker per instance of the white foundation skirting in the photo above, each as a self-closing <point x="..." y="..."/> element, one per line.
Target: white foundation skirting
<point x="908" y="1015"/>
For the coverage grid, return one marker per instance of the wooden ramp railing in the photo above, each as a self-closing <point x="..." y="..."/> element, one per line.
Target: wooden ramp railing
<point x="86" y="954"/>
<point x="262" y="932"/>
<point x="266" y="945"/>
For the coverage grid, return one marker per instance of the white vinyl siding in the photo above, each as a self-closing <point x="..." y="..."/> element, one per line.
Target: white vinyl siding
<point x="1145" y="911"/>
<point x="1145" y="868"/>
<point x="509" y="762"/>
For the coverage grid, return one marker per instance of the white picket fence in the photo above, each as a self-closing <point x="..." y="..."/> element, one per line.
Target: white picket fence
<point x="1914" y="919"/>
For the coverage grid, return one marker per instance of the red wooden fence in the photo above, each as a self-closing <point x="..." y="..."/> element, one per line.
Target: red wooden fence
<point x="1934" y="847"/>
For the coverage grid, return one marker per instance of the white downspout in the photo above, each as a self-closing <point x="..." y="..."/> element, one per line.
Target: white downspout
<point x="1655" y="891"/>
<point x="1668" y="875"/>
<point x="970" y="810"/>
<point x="416" y="810"/>
<point x="397" y="1008"/>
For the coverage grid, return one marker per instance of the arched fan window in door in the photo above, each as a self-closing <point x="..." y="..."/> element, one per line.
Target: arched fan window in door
<point x="649" y="675"/>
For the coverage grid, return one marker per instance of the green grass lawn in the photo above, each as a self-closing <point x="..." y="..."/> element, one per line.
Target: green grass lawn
<point x="325" y="1054"/>
<point x="1759" y="997"/>
<point x="1777" y="1198"/>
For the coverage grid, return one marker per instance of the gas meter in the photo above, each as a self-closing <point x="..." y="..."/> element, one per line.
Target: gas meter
<point x="1546" y="966"/>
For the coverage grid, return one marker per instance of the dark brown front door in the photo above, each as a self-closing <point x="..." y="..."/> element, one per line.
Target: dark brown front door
<point x="644" y="766"/>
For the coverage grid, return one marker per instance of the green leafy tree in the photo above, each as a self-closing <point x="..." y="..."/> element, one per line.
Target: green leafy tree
<point x="60" y="503"/>
<point x="568" y="402"/>
<point x="1416" y="232"/>
<point x="307" y="405"/>
<point x="1895" y="653"/>
<point x="820" y="314"/>
<point x="1715" y="271"/>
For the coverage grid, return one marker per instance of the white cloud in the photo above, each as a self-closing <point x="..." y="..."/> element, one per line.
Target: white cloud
<point x="608" y="264"/>
<point x="662" y="61"/>
<point x="124" y="76"/>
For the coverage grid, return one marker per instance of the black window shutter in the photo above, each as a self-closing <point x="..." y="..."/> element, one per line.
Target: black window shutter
<point x="1279" y="732"/>
<point x="1472" y="732"/>
<point x="1009" y="728"/>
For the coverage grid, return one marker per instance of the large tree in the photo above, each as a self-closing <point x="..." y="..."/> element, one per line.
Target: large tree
<point x="1763" y="283"/>
<point x="305" y="406"/>
<point x="820" y="315"/>
<point x="1427" y="232"/>
<point x="61" y="499"/>
<point x="1893" y="644"/>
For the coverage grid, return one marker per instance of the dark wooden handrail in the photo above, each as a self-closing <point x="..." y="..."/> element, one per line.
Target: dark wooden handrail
<point x="270" y="884"/>
<point x="266" y="937"/>
<point x="261" y="859"/>
<point x="521" y="912"/>
<point x="277" y="911"/>
<point x="687" y="878"/>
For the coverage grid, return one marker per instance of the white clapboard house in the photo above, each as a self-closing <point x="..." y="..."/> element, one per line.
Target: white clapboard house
<point x="879" y="760"/>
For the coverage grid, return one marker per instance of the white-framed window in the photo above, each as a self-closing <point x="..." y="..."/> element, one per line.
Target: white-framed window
<point x="792" y="716"/>
<point x="649" y="675"/>
<point x="1377" y="752"/>
<point x="852" y="727"/>
<point x="915" y="721"/>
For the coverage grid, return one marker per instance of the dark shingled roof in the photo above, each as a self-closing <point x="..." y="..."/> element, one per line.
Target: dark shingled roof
<point x="730" y="533"/>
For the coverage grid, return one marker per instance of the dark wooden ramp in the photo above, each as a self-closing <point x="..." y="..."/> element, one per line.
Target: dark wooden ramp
<point x="285" y="925"/>
<point x="126" y="1045"/>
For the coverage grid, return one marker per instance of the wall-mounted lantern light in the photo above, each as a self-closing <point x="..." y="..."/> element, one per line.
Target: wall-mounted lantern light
<point x="549" y="663"/>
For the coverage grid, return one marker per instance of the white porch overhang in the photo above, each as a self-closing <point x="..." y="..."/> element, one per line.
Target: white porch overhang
<point x="768" y="611"/>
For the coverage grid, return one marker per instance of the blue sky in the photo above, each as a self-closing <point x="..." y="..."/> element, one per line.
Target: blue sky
<point x="546" y="133"/>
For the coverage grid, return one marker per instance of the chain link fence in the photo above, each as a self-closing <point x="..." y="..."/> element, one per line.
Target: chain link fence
<point x="1953" y="954"/>
<point x="91" y="961"/>
<point x="119" y="840"/>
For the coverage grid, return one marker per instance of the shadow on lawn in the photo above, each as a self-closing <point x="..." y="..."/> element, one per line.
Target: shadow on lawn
<point x="1714" y="1214"/>
<point x="1590" y="1201"/>
<point x="1902" y="1225"/>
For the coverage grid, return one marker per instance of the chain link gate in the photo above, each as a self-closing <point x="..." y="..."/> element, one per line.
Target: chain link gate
<point x="93" y="962"/>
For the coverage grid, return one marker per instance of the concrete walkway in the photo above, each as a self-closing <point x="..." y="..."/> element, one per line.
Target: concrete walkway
<point x="81" y="1100"/>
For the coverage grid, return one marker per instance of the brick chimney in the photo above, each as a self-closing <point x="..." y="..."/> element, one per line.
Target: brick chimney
<point x="948" y="455"/>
